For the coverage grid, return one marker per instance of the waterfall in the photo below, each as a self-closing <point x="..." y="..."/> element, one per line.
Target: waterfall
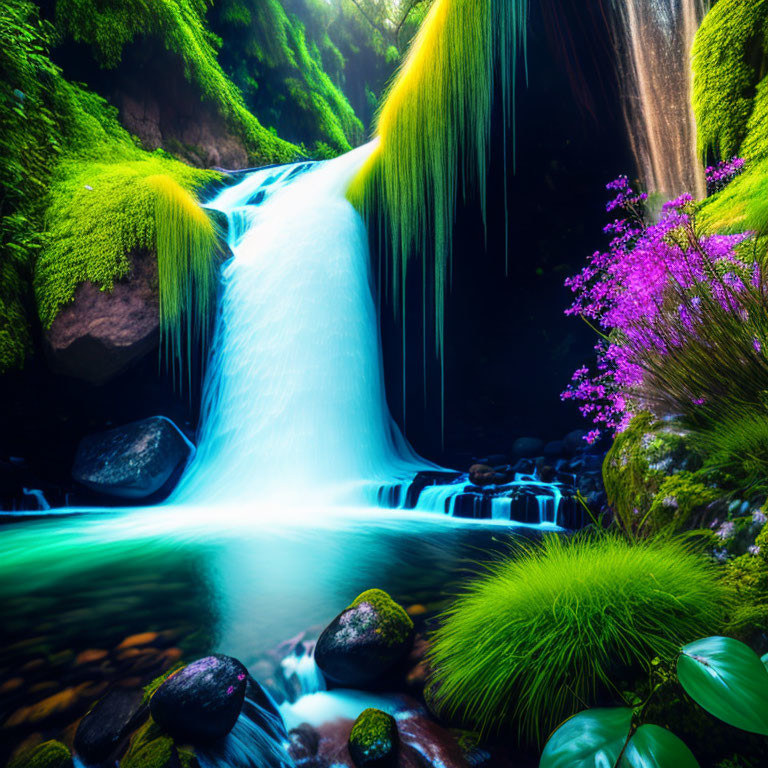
<point x="294" y="411"/>
<point x="654" y="38"/>
<point x="294" y="408"/>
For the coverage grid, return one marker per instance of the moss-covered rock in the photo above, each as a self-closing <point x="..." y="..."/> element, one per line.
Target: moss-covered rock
<point x="652" y="478"/>
<point x="365" y="641"/>
<point x="747" y="575"/>
<point x="373" y="740"/>
<point x="395" y="625"/>
<point x="49" y="754"/>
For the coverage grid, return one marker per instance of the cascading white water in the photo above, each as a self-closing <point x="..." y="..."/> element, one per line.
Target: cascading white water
<point x="294" y="407"/>
<point x="655" y="39"/>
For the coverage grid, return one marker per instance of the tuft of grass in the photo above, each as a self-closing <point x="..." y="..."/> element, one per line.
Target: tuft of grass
<point x="737" y="446"/>
<point x="549" y="627"/>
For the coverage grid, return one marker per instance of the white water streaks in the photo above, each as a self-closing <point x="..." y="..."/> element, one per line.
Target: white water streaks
<point x="654" y="38"/>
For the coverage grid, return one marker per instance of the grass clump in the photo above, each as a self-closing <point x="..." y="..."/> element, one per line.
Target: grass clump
<point x="551" y="627"/>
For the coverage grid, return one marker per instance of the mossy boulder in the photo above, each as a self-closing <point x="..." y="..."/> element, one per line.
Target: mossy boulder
<point x="49" y="754"/>
<point x="133" y="461"/>
<point x="373" y="741"/>
<point x="365" y="641"/>
<point x="653" y="480"/>
<point x="201" y="702"/>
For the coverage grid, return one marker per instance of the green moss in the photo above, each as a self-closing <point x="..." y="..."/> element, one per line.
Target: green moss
<point x="747" y="575"/>
<point x="636" y="467"/>
<point x="282" y="71"/>
<point x="373" y="739"/>
<point x="676" y="503"/>
<point x="49" y="754"/>
<point x="108" y="27"/>
<point x="30" y="141"/>
<point x="729" y="55"/>
<point x="150" y="689"/>
<point x="553" y="626"/>
<point x="396" y="624"/>
<point x="149" y="748"/>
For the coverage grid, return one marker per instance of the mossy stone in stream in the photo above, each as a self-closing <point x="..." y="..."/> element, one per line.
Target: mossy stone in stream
<point x="201" y="702"/>
<point x="373" y="741"/>
<point x="49" y="754"/>
<point x="365" y="641"/>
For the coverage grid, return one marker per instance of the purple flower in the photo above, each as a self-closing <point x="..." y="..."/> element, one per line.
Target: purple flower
<point x="648" y="295"/>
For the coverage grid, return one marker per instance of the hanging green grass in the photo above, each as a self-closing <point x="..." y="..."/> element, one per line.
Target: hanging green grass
<point x="434" y="133"/>
<point x="544" y="630"/>
<point x="101" y="214"/>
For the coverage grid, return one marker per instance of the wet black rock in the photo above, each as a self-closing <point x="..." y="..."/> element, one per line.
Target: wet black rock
<point x="554" y="449"/>
<point x="574" y="441"/>
<point x="364" y="641"/>
<point x="527" y="447"/>
<point x="373" y="740"/>
<point x="111" y="719"/>
<point x="134" y="461"/>
<point x="484" y="474"/>
<point x="201" y="702"/>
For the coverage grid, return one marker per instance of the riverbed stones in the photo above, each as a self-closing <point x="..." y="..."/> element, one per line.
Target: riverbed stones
<point x="201" y="702"/>
<point x="364" y="641"/>
<point x="110" y="720"/>
<point x="133" y="461"/>
<point x="373" y="740"/>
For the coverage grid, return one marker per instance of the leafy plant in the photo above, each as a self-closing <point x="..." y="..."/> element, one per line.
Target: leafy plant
<point x="558" y="624"/>
<point x="722" y="675"/>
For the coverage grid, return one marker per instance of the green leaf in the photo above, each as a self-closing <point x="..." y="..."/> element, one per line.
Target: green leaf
<point x="728" y="679"/>
<point x="654" y="747"/>
<point x="591" y="739"/>
<point x="764" y="659"/>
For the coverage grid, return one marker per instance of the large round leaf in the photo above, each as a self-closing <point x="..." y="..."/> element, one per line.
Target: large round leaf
<point x="655" y="747"/>
<point x="727" y="678"/>
<point x="591" y="739"/>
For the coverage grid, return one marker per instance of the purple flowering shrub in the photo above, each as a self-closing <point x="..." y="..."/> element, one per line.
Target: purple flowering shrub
<point x="681" y="315"/>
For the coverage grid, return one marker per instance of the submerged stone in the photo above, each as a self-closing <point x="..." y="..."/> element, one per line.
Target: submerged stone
<point x="107" y="723"/>
<point x="373" y="740"/>
<point x="364" y="641"/>
<point x="201" y="702"/>
<point x="133" y="461"/>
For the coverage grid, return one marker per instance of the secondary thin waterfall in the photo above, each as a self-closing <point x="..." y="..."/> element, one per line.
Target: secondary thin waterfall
<point x="294" y="407"/>
<point x="655" y="39"/>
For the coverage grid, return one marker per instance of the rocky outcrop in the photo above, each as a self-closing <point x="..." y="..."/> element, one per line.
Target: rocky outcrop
<point x="134" y="461"/>
<point x="101" y="333"/>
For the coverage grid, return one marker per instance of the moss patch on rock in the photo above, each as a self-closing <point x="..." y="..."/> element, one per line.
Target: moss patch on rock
<point x="373" y="740"/>
<point x="49" y="754"/>
<point x="396" y="625"/>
